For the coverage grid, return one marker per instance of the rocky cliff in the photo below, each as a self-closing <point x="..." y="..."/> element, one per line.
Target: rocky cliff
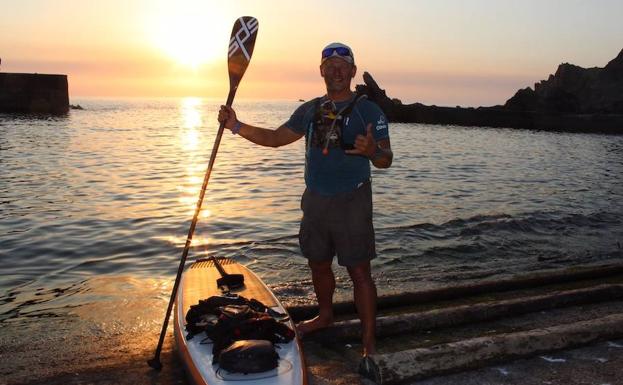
<point x="575" y="90"/>
<point x="572" y="99"/>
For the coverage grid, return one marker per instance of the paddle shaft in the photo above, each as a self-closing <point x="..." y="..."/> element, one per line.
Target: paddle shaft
<point x="241" y="45"/>
<point x="155" y="362"/>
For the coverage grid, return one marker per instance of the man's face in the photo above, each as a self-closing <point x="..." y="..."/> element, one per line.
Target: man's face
<point x="337" y="74"/>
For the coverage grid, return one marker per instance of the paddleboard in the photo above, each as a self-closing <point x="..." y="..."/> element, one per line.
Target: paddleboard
<point x="199" y="282"/>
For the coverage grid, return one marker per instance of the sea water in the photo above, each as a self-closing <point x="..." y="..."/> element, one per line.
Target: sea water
<point x="95" y="208"/>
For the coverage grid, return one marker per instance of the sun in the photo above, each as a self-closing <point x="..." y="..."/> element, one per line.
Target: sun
<point x="188" y="43"/>
<point x="189" y="36"/>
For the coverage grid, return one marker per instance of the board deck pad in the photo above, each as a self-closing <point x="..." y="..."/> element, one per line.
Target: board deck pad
<point x="199" y="282"/>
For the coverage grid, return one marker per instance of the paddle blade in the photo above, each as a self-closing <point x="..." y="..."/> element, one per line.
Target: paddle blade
<point x="241" y="46"/>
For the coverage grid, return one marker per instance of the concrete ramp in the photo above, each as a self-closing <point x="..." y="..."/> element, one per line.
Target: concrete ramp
<point x="414" y="364"/>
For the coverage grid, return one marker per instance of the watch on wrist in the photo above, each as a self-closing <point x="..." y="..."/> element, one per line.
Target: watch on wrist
<point x="236" y="129"/>
<point x="378" y="151"/>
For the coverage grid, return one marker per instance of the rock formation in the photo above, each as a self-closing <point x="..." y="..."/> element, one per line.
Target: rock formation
<point x="572" y="99"/>
<point x="575" y="90"/>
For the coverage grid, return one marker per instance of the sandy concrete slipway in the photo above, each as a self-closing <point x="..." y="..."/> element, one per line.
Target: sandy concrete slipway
<point x="560" y="328"/>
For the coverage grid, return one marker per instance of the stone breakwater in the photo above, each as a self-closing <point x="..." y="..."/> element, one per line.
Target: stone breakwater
<point x="33" y="93"/>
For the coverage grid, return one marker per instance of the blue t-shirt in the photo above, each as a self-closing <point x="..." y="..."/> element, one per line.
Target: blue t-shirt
<point x="336" y="172"/>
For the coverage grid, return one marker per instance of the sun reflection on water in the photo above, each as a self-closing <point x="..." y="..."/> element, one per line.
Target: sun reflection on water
<point x="191" y="121"/>
<point x="180" y="240"/>
<point x="191" y="139"/>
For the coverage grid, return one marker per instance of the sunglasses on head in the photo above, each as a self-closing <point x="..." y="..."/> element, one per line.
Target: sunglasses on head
<point x="341" y="51"/>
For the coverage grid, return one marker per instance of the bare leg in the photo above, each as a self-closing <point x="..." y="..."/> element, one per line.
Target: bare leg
<point x="324" y="286"/>
<point x="365" y="300"/>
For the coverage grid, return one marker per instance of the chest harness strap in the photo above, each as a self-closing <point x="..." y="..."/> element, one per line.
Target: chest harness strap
<point x="342" y="116"/>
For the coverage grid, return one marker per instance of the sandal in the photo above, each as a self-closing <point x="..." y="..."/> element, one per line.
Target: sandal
<point x="369" y="369"/>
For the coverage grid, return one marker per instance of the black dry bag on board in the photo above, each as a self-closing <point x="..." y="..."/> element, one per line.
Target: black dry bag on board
<point x="249" y="356"/>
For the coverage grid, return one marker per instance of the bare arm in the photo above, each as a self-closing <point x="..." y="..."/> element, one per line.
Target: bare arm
<point x="258" y="135"/>
<point x="269" y="137"/>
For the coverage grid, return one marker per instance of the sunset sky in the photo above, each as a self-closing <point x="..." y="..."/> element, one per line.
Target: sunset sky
<point x="440" y="52"/>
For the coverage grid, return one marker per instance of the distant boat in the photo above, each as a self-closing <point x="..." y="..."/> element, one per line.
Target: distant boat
<point x="301" y="100"/>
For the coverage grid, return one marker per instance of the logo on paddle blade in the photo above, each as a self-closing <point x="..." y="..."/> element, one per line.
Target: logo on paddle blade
<point x="241" y="36"/>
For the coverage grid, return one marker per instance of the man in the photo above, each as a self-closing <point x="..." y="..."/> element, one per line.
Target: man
<point x="344" y="133"/>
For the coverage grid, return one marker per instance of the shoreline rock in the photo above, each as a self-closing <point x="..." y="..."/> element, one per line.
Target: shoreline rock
<point x="574" y="99"/>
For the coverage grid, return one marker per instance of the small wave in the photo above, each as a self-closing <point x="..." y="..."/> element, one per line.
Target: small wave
<point x="268" y="241"/>
<point x="496" y="245"/>
<point x="537" y="223"/>
<point x="26" y="301"/>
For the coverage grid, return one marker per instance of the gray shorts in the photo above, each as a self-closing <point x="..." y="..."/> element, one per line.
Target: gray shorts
<point x="339" y="224"/>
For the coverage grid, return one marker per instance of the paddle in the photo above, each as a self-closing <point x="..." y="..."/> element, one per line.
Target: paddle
<point x="241" y="46"/>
